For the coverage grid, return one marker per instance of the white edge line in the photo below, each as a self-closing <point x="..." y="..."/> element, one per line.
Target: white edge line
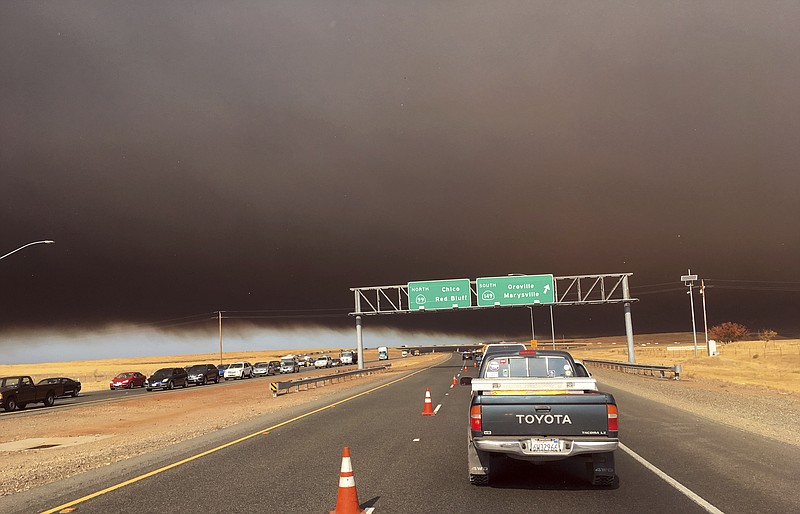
<point x="671" y="481"/>
<point x="436" y="410"/>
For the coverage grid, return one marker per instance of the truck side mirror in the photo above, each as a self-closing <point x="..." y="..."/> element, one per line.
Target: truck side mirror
<point x="465" y="381"/>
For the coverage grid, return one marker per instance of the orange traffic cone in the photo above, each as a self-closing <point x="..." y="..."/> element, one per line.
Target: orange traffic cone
<point x="347" y="498"/>
<point x="474" y="364"/>
<point x="455" y="382"/>
<point x="428" y="409"/>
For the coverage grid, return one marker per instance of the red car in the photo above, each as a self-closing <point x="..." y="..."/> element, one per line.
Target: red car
<point x="128" y="380"/>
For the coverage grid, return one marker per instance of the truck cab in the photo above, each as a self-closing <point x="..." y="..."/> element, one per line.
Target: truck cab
<point x="348" y="357"/>
<point x="383" y="353"/>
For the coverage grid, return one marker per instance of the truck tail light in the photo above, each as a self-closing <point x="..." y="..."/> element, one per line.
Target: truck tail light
<point x="475" y="418"/>
<point x="613" y="419"/>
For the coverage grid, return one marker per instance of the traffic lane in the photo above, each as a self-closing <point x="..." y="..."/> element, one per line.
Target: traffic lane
<point x="67" y="490"/>
<point x="403" y="462"/>
<point x="736" y="471"/>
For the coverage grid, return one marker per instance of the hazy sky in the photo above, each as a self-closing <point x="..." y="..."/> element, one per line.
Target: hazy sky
<point x="189" y="157"/>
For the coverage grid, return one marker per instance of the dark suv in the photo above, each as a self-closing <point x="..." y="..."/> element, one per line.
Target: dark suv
<point x="202" y="374"/>
<point x="167" y="378"/>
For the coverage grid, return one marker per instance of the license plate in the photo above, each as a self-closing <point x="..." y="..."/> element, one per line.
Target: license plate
<point x="545" y="445"/>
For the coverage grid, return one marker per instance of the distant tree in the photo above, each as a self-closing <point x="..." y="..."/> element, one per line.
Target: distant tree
<point x="767" y="335"/>
<point x="729" y="332"/>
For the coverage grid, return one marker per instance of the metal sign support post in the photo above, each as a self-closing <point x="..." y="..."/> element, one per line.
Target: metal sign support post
<point x="360" y="340"/>
<point x="533" y="331"/>
<point x="626" y="306"/>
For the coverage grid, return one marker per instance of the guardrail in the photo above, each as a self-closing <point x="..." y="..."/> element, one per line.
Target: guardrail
<point x="286" y="387"/>
<point x="649" y="369"/>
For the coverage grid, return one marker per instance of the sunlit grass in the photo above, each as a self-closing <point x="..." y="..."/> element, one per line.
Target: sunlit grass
<point x="773" y="365"/>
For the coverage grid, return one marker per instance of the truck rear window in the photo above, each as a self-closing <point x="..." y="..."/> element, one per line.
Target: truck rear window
<point x="540" y="366"/>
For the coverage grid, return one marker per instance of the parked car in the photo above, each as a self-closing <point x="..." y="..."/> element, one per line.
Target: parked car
<point x="221" y="369"/>
<point x="262" y="369"/>
<point x="323" y="361"/>
<point x="128" y="380"/>
<point x="239" y="370"/>
<point x="71" y="387"/>
<point x="275" y="366"/>
<point x="167" y="378"/>
<point x="202" y="374"/>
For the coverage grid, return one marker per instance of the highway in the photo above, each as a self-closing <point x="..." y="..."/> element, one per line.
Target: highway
<point x="671" y="461"/>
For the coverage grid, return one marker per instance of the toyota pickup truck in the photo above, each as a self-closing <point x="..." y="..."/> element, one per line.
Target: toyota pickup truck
<point x="538" y="406"/>
<point x="18" y="392"/>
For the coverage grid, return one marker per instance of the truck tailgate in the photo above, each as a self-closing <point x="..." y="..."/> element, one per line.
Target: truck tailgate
<point x="553" y="415"/>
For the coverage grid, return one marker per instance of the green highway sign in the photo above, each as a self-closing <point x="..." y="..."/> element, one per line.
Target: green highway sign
<point x="439" y="294"/>
<point x="515" y="290"/>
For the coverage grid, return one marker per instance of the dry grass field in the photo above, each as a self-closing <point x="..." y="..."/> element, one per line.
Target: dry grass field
<point x="95" y="375"/>
<point x="774" y="365"/>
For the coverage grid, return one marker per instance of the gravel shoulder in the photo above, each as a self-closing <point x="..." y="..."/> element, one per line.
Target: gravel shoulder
<point x="751" y="408"/>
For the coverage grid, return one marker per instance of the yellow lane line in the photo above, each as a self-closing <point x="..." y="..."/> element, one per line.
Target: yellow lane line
<point x="226" y="445"/>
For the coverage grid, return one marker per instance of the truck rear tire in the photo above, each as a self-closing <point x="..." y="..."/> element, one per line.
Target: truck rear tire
<point x="50" y="399"/>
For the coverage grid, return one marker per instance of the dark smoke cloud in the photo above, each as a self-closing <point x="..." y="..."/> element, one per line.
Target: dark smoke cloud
<point x="189" y="157"/>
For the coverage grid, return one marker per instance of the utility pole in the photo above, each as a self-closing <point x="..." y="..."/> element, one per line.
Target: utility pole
<point x="219" y="313"/>
<point x="705" y="317"/>
<point x="688" y="280"/>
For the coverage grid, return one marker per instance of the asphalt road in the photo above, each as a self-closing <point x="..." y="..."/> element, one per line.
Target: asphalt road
<point x="405" y="462"/>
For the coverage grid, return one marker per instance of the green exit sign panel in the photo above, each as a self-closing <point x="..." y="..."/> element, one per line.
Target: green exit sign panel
<point x="439" y="294"/>
<point x="515" y="290"/>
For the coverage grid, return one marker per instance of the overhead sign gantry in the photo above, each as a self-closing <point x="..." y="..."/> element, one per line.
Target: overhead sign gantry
<point x="494" y="292"/>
